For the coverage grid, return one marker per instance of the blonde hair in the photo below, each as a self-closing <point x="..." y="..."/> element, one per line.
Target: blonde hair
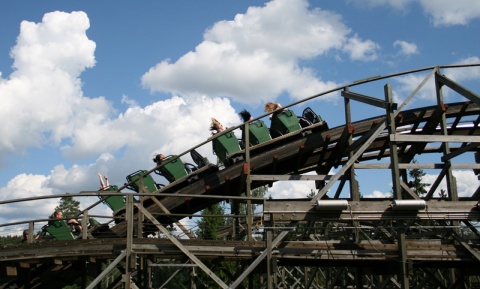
<point x="216" y="126"/>
<point x="272" y="106"/>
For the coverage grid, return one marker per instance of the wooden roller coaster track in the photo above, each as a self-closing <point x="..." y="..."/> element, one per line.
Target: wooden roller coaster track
<point x="367" y="242"/>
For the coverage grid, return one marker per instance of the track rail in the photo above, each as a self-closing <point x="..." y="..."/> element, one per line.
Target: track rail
<point x="368" y="234"/>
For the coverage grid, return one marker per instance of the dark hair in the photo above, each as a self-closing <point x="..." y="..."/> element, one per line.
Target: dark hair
<point x="246" y="116"/>
<point x="158" y="158"/>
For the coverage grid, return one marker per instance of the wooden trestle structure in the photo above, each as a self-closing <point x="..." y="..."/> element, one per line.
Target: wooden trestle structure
<point x="335" y="240"/>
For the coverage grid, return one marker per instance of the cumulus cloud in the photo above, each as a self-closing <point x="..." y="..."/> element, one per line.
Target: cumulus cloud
<point x="42" y="98"/>
<point x="26" y="186"/>
<point x="378" y="194"/>
<point x="405" y="47"/>
<point x="467" y="73"/>
<point x="291" y="190"/>
<point x="448" y="13"/>
<point x="359" y="49"/>
<point x="441" y="12"/>
<point x="466" y="181"/>
<point x="409" y="82"/>
<point x="245" y="58"/>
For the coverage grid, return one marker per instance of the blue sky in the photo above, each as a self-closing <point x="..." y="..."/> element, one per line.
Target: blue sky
<point x="90" y="86"/>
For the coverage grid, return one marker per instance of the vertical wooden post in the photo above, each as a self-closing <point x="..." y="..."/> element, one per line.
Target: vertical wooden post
<point x="269" y="260"/>
<point x="85" y="225"/>
<point x="354" y="191"/>
<point x="397" y="190"/>
<point x="248" y="180"/>
<point x="31" y="232"/>
<point x="451" y="183"/>
<point x="129" y="259"/>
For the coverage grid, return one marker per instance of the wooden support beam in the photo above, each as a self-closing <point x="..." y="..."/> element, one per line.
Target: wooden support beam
<point x="461" y="150"/>
<point x="166" y="211"/>
<point x="290" y="177"/>
<point x="321" y="157"/>
<point x="179" y="245"/>
<point x="407" y="189"/>
<point x="434" y="138"/>
<point x="107" y="270"/>
<point x="257" y="261"/>
<point x="368" y="100"/>
<point x="457" y="88"/>
<point x="298" y="163"/>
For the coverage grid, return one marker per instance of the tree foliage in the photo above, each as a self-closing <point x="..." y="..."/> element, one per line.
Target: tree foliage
<point x="208" y="226"/>
<point x="417" y="185"/>
<point x="9" y="240"/>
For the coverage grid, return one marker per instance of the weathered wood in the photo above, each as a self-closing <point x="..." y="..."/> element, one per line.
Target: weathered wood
<point x="294" y="210"/>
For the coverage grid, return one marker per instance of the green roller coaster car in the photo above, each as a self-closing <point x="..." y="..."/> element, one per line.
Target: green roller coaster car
<point x="258" y="132"/>
<point x="59" y="230"/>
<point x="114" y="202"/>
<point x="141" y="176"/>
<point x="174" y="170"/>
<point x="287" y="121"/>
<point x="283" y="123"/>
<point x="225" y="145"/>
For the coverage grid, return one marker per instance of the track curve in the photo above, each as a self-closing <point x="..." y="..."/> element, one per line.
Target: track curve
<point x="311" y="149"/>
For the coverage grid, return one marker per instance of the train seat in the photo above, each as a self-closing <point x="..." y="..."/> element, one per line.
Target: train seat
<point x="225" y="145"/>
<point x="148" y="181"/>
<point x="114" y="202"/>
<point x="312" y="117"/>
<point x="283" y="123"/>
<point x="198" y="159"/>
<point x="174" y="170"/>
<point x="59" y="230"/>
<point x="258" y="132"/>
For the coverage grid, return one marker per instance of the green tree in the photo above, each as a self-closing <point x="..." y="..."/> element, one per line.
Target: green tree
<point x="416" y="184"/>
<point x="69" y="206"/>
<point x="311" y="194"/>
<point x="443" y="194"/>
<point x="208" y="226"/>
<point x="9" y="240"/>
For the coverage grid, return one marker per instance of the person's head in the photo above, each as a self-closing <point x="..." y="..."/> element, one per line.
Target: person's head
<point x="272" y="106"/>
<point x="25" y="234"/>
<point x="245" y="115"/>
<point x="58" y="214"/>
<point x="159" y="158"/>
<point x="216" y="126"/>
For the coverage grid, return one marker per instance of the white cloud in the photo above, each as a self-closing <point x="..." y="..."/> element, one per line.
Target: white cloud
<point x="170" y="127"/>
<point x="409" y="82"/>
<point x="406" y="48"/>
<point x="359" y="49"/>
<point x="42" y="99"/>
<point x="447" y="13"/>
<point x="43" y="103"/>
<point x="466" y="73"/>
<point x="378" y="194"/>
<point x="256" y="56"/>
<point x="26" y="186"/>
<point x="290" y="189"/>
<point x="441" y="12"/>
<point x="467" y="183"/>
